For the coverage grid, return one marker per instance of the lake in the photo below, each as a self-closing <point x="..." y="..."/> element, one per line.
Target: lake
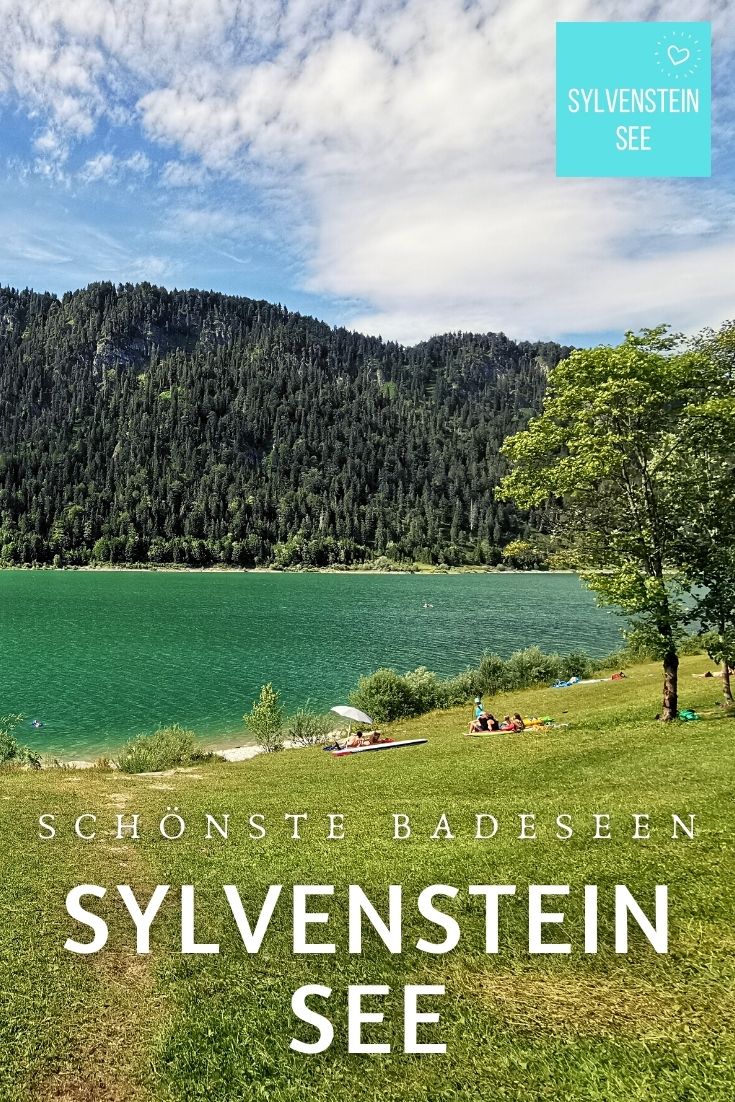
<point x="101" y="656"/>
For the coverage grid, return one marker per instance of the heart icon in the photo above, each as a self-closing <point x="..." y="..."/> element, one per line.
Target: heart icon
<point x="678" y="54"/>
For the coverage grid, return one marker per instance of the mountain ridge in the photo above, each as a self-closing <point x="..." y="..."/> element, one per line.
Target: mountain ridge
<point x="145" y="425"/>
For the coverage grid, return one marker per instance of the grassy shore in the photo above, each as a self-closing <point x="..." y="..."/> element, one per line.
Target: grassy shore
<point x="169" y="1028"/>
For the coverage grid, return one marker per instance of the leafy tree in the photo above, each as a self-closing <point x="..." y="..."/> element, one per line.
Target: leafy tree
<point x="612" y="448"/>
<point x="707" y="526"/>
<point x="264" y="721"/>
<point x="522" y="555"/>
<point x="720" y="646"/>
<point x="709" y="552"/>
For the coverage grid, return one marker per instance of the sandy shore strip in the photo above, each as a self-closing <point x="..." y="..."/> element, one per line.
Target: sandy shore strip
<point x="244" y="753"/>
<point x="232" y="753"/>
<point x="239" y="753"/>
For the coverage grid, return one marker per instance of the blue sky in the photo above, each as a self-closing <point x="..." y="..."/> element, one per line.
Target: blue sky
<point x="385" y="164"/>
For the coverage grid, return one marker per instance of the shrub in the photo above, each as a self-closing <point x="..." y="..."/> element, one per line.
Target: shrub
<point x="616" y="660"/>
<point x="642" y="645"/>
<point x="491" y="674"/>
<point x="691" y="644"/>
<point x="264" y="721"/>
<point x="164" y="749"/>
<point x="427" y="690"/>
<point x="11" y="751"/>
<point x="384" y="563"/>
<point x="576" y="664"/>
<point x="462" y="687"/>
<point x="530" y="667"/>
<point x="307" y="728"/>
<point x="384" y="695"/>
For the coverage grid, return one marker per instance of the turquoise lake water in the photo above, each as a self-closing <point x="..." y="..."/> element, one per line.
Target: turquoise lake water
<point x="99" y="657"/>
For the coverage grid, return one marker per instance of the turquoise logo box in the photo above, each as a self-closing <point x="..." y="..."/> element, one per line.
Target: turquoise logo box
<point x="633" y="99"/>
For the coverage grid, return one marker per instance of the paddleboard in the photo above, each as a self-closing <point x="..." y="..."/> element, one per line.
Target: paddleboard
<point x="377" y="746"/>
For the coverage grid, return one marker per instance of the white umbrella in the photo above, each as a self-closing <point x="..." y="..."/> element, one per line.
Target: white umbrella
<point x="353" y="714"/>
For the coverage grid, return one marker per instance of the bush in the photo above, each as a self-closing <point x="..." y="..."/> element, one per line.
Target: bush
<point x="491" y="674"/>
<point x="264" y="721"/>
<point x="690" y="645"/>
<point x="164" y="749"/>
<point x="576" y="664"/>
<point x="427" y="690"/>
<point x="462" y="688"/>
<point x="531" y="667"/>
<point x="11" y="751"/>
<point x="645" y="645"/>
<point x="616" y="660"/>
<point x="384" y="695"/>
<point x="307" y="728"/>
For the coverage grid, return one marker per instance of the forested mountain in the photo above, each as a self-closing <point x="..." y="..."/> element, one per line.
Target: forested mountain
<point x="138" y="424"/>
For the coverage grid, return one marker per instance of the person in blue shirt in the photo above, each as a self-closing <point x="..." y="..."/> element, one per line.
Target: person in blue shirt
<point x="478" y="707"/>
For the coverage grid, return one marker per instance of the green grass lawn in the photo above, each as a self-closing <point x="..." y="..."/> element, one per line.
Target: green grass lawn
<point x="118" y="1026"/>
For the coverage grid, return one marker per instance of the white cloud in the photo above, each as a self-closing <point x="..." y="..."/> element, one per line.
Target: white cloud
<point x="421" y="141"/>
<point x="31" y="249"/>
<point x="151" y="267"/>
<point x="138" y="162"/>
<point x="51" y="144"/>
<point x="183" y="174"/>
<point x="216" y="226"/>
<point x="108" y="167"/>
<point x="75" y="254"/>
<point x="52" y="151"/>
<point x="98" y="168"/>
<point x="413" y="137"/>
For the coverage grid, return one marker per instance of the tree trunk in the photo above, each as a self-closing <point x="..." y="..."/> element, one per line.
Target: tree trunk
<point x="670" y="708"/>
<point x="726" y="686"/>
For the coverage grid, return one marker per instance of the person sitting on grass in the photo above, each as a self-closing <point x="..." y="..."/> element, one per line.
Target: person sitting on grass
<point x="486" y="721"/>
<point x="480" y="723"/>
<point x="518" y="724"/>
<point x="355" y="739"/>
